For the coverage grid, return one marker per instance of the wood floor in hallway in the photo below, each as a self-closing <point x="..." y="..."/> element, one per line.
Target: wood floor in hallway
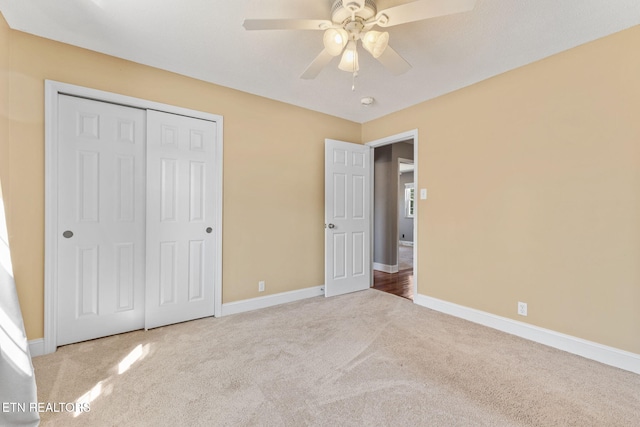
<point x="400" y="283"/>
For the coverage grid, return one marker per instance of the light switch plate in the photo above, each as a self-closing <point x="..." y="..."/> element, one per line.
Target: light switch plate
<point x="423" y="194"/>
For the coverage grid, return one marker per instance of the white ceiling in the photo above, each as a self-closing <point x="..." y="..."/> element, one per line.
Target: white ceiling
<point x="205" y="39"/>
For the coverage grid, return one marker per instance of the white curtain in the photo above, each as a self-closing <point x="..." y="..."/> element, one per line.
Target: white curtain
<point x="17" y="379"/>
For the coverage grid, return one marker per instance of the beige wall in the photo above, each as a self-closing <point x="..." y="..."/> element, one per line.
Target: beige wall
<point x="534" y="185"/>
<point x="534" y="192"/>
<point x="4" y="89"/>
<point x="273" y="167"/>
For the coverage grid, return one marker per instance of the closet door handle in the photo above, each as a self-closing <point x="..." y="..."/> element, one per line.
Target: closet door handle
<point x="209" y="229"/>
<point x="67" y="234"/>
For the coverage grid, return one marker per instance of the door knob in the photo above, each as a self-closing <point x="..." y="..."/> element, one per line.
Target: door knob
<point x="331" y="226"/>
<point x="209" y="229"/>
<point x="67" y="234"/>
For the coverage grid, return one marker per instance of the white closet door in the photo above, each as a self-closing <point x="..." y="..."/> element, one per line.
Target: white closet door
<point x="180" y="218"/>
<point x="101" y="217"/>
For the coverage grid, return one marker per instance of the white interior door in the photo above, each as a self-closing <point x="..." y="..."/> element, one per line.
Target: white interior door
<point x="347" y="217"/>
<point x="101" y="216"/>
<point x="180" y="218"/>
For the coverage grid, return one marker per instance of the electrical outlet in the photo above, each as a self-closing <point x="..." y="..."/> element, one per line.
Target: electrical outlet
<point x="261" y="286"/>
<point x="522" y="308"/>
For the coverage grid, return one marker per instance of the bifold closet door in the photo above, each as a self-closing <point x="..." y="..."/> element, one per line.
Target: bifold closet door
<point x="180" y="218"/>
<point x="101" y="219"/>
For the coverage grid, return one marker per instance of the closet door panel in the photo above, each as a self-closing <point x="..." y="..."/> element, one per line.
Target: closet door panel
<point x="180" y="216"/>
<point x="101" y="219"/>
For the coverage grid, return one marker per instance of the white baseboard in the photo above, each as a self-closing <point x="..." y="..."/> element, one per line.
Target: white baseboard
<point x="588" y="349"/>
<point x="271" y="300"/>
<point x="36" y="347"/>
<point x="386" y="268"/>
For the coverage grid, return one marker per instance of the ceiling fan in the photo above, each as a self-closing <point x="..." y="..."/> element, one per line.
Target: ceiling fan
<point x="354" y="20"/>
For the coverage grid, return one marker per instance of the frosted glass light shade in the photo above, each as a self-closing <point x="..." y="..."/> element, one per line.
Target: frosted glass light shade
<point x="375" y="42"/>
<point x="349" y="61"/>
<point x="334" y="40"/>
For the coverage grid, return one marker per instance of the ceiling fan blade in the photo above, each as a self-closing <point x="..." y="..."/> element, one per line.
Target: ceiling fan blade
<point x="287" y="24"/>
<point x="422" y="9"/>
<point x="317" y="65"/>
<point x="393" y="61"/>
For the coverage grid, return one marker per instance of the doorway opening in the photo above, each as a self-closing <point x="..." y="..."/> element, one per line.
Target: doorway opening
<point x="394" y="213"/>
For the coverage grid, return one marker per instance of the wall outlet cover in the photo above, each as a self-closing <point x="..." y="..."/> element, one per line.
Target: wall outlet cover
<point x="522" y="308"/>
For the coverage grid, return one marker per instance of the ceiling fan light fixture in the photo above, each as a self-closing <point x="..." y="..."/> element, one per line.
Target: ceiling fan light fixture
<point x="334" y="40"/>
<point x="349" y="61"/>
<point x="375" y="42"/>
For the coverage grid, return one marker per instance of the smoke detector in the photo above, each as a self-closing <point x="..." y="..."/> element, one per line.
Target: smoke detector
<point x="367" y="101"/>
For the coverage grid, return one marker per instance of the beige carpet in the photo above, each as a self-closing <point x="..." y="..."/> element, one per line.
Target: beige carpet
<point x="367" y="358"/>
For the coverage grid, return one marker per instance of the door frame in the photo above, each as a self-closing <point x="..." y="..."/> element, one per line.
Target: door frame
<point x="392" y="139"/>
<point x="401" y="196"/>
<point x="52" y="90"/>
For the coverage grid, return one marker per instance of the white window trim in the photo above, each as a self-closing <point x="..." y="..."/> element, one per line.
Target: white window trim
<point x="408" y="211"/>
